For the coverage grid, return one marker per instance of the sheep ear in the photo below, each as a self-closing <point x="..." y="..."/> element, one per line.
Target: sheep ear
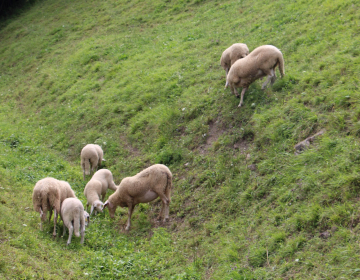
<point x="107" y="204"/>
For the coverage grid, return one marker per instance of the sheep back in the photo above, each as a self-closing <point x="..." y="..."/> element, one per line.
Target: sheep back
<point x="106" y="178"/>
<point x="91" y="154"/>
<point x="157" y="178"/>
<point x="73" y="210"/>
<point x="232" y="54"/>
<point x="93" y="190"/>
<point x="46" y="196"/>
<point x="256" y="65"/>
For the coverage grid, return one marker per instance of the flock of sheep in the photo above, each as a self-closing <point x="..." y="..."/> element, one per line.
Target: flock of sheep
<point x="51" y="194"/>
<point x="242" y="68"/>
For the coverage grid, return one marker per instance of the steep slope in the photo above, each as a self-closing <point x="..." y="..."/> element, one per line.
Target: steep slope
<point x="143" y="80"/>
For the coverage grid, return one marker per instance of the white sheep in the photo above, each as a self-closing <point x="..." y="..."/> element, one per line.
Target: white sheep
<point x="91" y="158"/>
<point x="100" y="182"/>
<point x="74" y="218"/>
<point x="48" y="194"/>
<point x="231" y="54"/>
<point x="259" y="63"/>
<point x="154" y="181"/>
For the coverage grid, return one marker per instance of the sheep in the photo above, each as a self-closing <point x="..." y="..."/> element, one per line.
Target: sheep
<point x="231" y="54"/>
<point x="154" y="181"/>
<point x="91" y="158"/>
<point x="100" y="182"/>
<point x="74" y="218"/>
<point x="48" y="194"/>
<point x="259" y="63"/>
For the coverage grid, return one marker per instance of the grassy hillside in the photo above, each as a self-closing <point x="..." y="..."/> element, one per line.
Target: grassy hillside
<point x="143" y="80"/>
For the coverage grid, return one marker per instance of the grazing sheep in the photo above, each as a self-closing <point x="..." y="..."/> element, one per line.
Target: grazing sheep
<point x="231" y="54"/>
<point x="155" y="181"/>
<point x="74" y="218"/>
<point x="48" y="194"/>
<point x="98" y="185"/>
<point x="91" y="158"/>
<point x="259" y="63"/>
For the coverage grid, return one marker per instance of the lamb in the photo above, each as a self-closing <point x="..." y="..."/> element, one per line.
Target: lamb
<point x="98" y="185"/>
<point x="91" y="158"/>
<point x="231" y="54"/>
<point x="154" y="181"/>
<point x="259" y="63"/>
<point x="48" y="194"/>
<point x="74" y="218"/>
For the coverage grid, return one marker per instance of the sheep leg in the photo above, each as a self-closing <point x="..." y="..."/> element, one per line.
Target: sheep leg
<point x="164" y="207"/>
<point x="242" y="96"/>
<point x="103" y="196"/>
<point x="266" y="82"/>
<point x="82" y="233"/>
<point x="41" y="226"/>
<point x="131" y="209"/>
<point x="55" y="220"/>
<point x="161" y="214"/>
<point x="233" y="90"/>
<point x="64" y="230"/>
<point x="71" y="229"/>
<point x="227" y="72"/>
<point x="50" y="215"/>
<point x="271" y="77"/>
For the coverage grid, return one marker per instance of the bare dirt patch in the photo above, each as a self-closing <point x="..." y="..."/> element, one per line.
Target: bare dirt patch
<point x="215" y="131"/>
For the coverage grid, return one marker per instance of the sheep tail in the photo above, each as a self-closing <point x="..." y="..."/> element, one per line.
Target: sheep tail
<point x="87" y="166"/>
<point x="54" y="200"/>
<point x="77" y="218"/>
<point x="282" y="66"/>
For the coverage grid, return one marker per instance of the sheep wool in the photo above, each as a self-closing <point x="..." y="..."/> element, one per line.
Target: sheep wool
<point x="233" y="53"/>
<point x="154" y="181"/>
<point x="74" y="218"/>
<point x="259" y="63"/>
<point x="91" y="157"/>
<point x="101" y="181"/>
<point x="48" y="194"/>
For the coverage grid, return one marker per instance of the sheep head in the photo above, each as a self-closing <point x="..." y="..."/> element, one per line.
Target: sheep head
<point x="87" y="218"/>
<point x="111" y="208"/>
<point x="98" y="206"/>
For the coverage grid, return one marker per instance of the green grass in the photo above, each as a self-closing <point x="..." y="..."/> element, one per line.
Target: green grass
<point x="143" y="80"/>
